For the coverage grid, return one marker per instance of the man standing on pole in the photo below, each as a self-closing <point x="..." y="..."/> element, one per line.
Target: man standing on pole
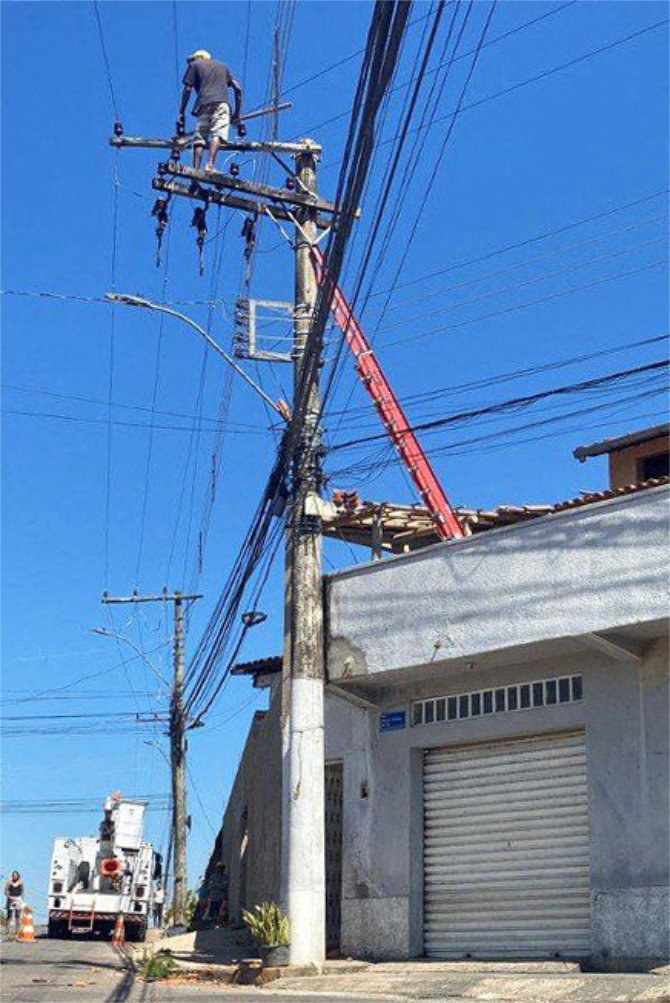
<point x="210" y="79"/>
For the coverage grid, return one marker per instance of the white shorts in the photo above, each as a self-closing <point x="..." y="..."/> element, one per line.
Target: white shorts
<point x="213" y="122"/>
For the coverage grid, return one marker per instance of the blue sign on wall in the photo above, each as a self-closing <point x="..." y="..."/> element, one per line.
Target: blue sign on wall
<point x="393" y="720"/>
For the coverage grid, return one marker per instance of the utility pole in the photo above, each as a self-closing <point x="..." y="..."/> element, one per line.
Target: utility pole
<point x="303" y="817"/>
<point x="178" y="725"/>
<point x="178" y="765"/>
<point x="305" y="835"/>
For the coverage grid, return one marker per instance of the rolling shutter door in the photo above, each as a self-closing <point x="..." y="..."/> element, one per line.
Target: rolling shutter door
<point x="506" y="849"/>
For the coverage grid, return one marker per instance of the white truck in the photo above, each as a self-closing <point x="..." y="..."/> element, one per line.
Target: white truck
<point x="94" y="879"/>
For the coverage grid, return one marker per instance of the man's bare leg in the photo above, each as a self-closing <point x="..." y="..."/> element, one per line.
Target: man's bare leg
<point x="197" y="156"/>
<point x="214" y="147"/>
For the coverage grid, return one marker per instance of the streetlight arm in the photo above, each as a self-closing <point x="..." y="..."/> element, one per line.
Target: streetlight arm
<point x="127" y="300"/>
<point x="119" y="637"/>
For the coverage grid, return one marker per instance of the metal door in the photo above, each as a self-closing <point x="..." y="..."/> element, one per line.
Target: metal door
<point x="333" y="855"/>
<point x="506" y="849"/>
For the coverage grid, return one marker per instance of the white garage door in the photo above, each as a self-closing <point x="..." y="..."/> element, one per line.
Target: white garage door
<point x="506" y="851"/>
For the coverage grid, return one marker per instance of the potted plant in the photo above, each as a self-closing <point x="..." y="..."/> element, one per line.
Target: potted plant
<point x="269" y="928"/>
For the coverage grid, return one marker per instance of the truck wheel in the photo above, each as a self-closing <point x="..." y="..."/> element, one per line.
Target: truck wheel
<point x="57" y="929"/>
<point x="137" y="933"/>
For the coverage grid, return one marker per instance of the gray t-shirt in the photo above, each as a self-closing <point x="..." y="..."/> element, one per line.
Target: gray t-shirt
<point x="211" y="80"/>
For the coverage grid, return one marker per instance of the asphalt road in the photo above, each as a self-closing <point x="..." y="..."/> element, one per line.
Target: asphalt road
<point x="92" y="971"/>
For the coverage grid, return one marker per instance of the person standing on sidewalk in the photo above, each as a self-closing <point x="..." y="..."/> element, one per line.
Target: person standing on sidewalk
<point x="158" y="905"/>
<point x="14" y="904"/>
<point x="210" y="79"/>
<point x="218" y="894"/>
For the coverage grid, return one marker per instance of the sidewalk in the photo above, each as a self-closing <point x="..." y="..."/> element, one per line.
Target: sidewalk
<point x="225" y="957"/>
<point x="539" y="982"/>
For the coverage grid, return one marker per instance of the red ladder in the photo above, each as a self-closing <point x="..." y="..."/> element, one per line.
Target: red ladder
<point x="391" y="413"/>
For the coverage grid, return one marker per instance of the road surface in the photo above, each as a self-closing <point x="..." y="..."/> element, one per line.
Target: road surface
<point x="92" y="971"/>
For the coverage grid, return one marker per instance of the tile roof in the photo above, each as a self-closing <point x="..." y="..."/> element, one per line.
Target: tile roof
<point x="409" y="527"/>
<point x="259" y="667"/>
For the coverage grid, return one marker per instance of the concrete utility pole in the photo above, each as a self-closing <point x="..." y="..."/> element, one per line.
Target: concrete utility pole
<point x="303" y="836"/>
<point x="306" y="880"/>
<point x="178" y="724"/>
<point x="178" y="765"/>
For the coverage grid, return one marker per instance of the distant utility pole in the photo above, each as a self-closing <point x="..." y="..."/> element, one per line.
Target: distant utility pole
<point x="178" y="724"/>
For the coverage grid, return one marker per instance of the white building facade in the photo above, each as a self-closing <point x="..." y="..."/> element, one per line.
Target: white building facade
<point x="496" y="744"/>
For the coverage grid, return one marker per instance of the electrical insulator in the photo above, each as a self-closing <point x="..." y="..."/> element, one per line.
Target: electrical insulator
<point x="199" y="221"/>
<point x="290" y="182"/>
<point x="160" y="211"/>
<point x="249" y="234"/>
<point x="234" y="169"/>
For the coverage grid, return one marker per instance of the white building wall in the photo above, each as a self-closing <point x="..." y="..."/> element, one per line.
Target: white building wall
<point x="585" y="570"/>
<point x="494" y="610"/>
<point x="625" y="716"/>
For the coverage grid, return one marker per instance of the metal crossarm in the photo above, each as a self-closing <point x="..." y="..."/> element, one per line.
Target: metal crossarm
<point x="212" y="197"/>
<point x="182" y="142"/>
<point x="221" y="180"/>
<point x="403" y="438"/>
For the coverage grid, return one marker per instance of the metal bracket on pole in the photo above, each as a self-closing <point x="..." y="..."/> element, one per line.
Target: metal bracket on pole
<point x="246" y="316"/>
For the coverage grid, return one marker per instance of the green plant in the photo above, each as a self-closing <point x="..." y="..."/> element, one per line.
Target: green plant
<point x="267" y="924"/>
<point x="159" y="966"/>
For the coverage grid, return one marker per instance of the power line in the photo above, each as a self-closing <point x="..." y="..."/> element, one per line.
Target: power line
<point x="547" y="73"/>
<point x="124" y="404"/>
<point x="407" y="241"/>
<point x="493" y="41"/>
<point x="545" y="235"/>
<point x="516" y="402"/>
<point x="457" y="389"/>
<point x="531" y="303"/>
<point x="131" y="424"/>
<point x="533" y="280"/>
<point x="547" y="255"/>
<point x="105" y="57"/>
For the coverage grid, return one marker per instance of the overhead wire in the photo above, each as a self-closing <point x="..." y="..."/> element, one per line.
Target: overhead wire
<point x="514" y="287"/>
<point x="514" y="403"/>
<point x="407" y="241"/>
<point x="525" y="372"/>
<point x="531" y="303"/>
<point x="543" y="75"/>
<point x="387" y="28"/>
<point x="555" y="252"/>
<point x="493" y="41"/>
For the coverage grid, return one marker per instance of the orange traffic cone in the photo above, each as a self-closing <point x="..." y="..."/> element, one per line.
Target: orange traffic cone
<point x="27" y="928"/>
<point x="119" y="936"/>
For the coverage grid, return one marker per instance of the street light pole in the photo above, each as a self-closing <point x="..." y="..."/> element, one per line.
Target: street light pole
<point x="127" y="300"/>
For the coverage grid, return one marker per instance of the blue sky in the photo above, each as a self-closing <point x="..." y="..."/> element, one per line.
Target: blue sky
<point x="539" y="145"/>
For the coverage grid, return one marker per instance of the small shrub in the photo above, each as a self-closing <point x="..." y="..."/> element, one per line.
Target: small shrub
<point x="267" y="924"/>
<point x="160" y="966"/>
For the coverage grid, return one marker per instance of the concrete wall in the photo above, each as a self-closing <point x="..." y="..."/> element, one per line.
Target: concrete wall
<point x="584" y="570"/>
<point x="625" y="716"/>
<point x="254" y="810"/>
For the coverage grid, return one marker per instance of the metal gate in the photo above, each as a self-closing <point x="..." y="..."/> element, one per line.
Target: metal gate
<point x="506" y="849"/>
<point x="333" y="855"/>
